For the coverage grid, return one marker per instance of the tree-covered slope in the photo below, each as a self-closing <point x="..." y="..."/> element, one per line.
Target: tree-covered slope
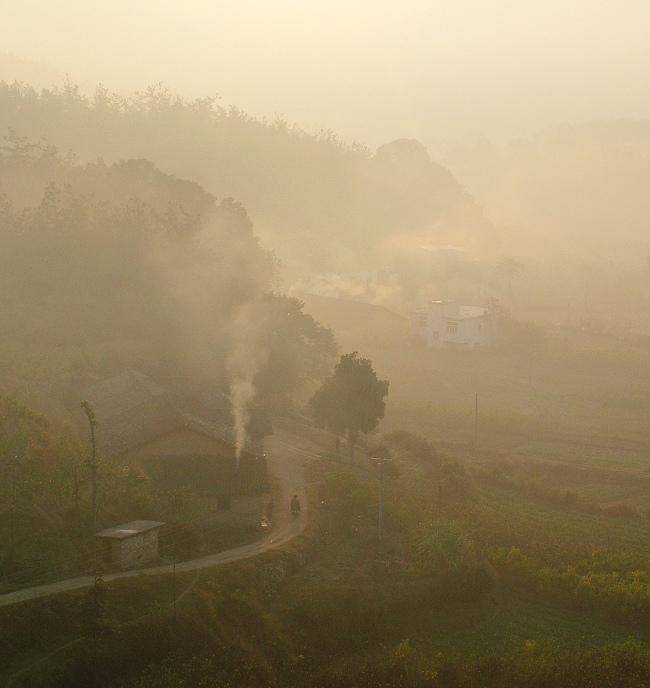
<point x="322" y="204"/>
<point x="95" y="254"/>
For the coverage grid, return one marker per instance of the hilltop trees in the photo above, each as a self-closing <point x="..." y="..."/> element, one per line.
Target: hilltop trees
<point x="95" y="254"/>
<point x="92" y="251"/>
<point x="323" y="204"/>
<point x="352" y="400"/>
<point x="300" y="351"/>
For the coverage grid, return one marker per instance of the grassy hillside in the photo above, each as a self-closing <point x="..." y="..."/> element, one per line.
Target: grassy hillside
<point x="487" y="581"/>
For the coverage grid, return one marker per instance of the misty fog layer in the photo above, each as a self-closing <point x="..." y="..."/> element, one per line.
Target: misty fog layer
<point x="371" y="71"/>
<point x="365" y="396"/>
<point x="325" y="207"/>
<point x="393" y="226"/>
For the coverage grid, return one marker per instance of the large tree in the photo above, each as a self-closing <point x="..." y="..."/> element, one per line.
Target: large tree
<point x="301" y="351"/>
<point x="352" y="400"/>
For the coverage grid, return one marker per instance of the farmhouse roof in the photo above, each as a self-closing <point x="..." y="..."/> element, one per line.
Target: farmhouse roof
<point x="220" y="406"/>
<point x="129" y="529"/>
<point x="122" y="393"/>
<point x="132" y="410"/>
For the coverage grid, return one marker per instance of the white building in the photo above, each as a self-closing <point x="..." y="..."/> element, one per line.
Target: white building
<point x="449" y="325"/>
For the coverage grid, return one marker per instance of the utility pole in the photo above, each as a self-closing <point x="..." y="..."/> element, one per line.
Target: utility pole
<point x="88" y="410"/>
<point x="380" y="521"/>
<point x="174" y="580"/>
<point x="476" y="421"/>
<point x="94" y="600"/>
<point x="12" y="469"/>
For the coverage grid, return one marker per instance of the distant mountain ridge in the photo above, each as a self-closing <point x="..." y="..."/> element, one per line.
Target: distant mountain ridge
<point x="315" y="200"/>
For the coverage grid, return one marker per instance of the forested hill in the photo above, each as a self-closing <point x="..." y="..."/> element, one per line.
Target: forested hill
<point x="125" y="258"/>
<point x="322" y="204"/>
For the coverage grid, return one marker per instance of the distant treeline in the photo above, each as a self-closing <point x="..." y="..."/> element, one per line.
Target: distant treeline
<point x="325" y="204"/>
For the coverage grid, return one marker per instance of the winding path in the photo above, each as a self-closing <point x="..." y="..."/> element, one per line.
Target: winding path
<point x="286" y="468"/>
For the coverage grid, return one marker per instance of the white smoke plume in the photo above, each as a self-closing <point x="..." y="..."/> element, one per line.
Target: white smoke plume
<point x="216" y="283"/>
<point x="242" y="392"/>
<point x="360" y="287"/>
<point x="245" y="357"/>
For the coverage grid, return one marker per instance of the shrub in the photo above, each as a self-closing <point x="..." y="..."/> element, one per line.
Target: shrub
<point x="417" y="445"/>
<point x="455" y="480"/>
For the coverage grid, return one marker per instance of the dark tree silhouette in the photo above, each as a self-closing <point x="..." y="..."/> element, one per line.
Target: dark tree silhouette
<point x="352" y="400"/>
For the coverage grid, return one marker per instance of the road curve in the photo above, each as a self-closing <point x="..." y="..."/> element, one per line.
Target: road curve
<point x="286" y="468"/>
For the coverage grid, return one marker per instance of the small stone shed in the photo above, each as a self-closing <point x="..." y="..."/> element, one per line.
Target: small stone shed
<point x="131" y="544"/>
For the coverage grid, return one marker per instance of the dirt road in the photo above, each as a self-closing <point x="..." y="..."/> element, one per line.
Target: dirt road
<point x="287" y="453"/>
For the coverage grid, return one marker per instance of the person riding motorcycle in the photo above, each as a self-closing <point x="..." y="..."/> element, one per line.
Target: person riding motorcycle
<point x="295" y="506"/>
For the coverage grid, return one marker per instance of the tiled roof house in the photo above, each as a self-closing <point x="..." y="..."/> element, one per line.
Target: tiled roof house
<point x="177" y="443"/>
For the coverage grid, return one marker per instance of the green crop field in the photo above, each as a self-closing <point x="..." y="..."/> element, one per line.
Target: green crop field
<point x="583" y="455"/>
<point x="548" y="530"/>
<point x="520" y="622"/>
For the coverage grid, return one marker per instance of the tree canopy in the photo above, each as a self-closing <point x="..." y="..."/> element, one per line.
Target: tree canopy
<point x="352" y="400"/>
<point x="300" y="351"/>
<point x="154" y="267"/>
<point x="322" y="204"/>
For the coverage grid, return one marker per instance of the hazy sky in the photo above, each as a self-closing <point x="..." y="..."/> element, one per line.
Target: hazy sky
<point x="371" y="70"/>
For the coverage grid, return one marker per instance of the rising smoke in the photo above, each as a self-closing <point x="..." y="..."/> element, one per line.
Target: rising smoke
<point x="217" y="283"/>
<point x="246" y="355"/>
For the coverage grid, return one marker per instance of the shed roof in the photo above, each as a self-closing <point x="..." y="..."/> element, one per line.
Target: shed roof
<point x="458" y="311"/>
<point x="469" y="312"/>
<point x="129" y="529"/>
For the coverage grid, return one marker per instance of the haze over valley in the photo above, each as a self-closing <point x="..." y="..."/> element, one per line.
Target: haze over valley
<point x="385" y="264"/>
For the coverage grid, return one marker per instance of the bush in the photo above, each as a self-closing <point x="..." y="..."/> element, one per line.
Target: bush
<point x="347" y="497"/>
<point x="440" y="546"/>
<point x="455" y="481"/>
<point x="417" y="445"/>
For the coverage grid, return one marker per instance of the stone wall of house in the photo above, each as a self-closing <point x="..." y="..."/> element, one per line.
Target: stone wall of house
<point x="134" y="551"/>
